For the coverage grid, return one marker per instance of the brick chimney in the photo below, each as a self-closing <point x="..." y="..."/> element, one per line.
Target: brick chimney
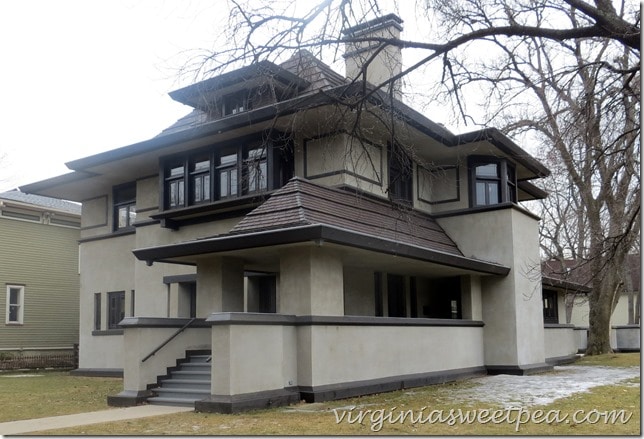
<point x="387" y="62"/>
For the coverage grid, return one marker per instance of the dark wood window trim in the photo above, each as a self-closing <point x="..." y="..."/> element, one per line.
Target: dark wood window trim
<point x="504" y="179"/>
<point x="124" y="202"/>
<point x="182" y="182"/>
<point x="401" y="173"/>
<point x="550" y="306"/>
<point x="97" y="311"/>
<point x="115" y="309"/>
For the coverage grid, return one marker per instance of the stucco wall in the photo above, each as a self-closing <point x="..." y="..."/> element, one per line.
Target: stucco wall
<point x="330" y="354"/>
<point x="512" y="305"/>
<point x="560" y="341"/>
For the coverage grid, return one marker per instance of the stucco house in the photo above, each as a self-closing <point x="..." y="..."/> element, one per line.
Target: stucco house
<point x="39" y="278"/>
<point x="279" y="244"/>
<point x="566" y="293"/>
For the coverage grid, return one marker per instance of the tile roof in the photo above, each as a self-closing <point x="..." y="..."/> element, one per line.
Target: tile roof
<point x="40" y="201"/>
<point x="301" y="202"/>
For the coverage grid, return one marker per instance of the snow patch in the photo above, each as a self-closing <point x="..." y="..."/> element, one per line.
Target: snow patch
<point x="531" y="390"/>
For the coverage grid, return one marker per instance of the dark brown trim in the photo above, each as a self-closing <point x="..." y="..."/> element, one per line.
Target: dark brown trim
<point x="341" y="171"/>
<point x="567" y="286"/>
<point x="526" y="369"/>
<point x="483" y="209"/>
<point x="319" y="233"/>
<point x="239" y="318"/>
<point x="161" y="322"/>
<point x="107" y="332"/>
<point x="383" y="321"/>
<point x="367" y="387"/>
<point x="439" y="168"/>
<point x="564" y="359"/>
<point x="179" y="278"/>
<point x="532" y="190"/>
<point x="558" y="326"/>
<point x="129" y="398"/>
<point x="147" y="209"/>
<point x="248" y="401"/>
<point x="116" y="234"/>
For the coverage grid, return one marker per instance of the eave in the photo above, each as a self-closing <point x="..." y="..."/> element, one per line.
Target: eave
<point x="180" y="252"/>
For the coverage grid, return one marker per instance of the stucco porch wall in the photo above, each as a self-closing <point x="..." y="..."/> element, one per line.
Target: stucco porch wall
<point x="581" y="339"/>
<point x="627" y="338"/>
<point x="267" y="352"/>
<point x="142" y="335"/>
<point x="561" y="342"/>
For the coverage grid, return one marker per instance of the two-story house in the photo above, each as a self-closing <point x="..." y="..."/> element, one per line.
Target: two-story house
<point x="39" y="280"/>
<point x="300" y="235"/>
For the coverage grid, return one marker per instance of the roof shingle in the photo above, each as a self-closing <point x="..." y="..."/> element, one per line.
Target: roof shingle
<point x="301" y="202"/>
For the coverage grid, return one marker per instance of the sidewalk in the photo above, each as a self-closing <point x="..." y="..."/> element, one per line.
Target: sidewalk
<point x="121" y="414"/>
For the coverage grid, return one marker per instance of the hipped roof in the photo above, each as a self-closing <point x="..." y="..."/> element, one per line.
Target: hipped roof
<point x="302" y="211"/>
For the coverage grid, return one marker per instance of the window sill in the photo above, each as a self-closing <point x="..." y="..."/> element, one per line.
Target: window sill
<point x="175" y="218"/>
<point x="108" y="332"/>
<point x="14" y="324"/>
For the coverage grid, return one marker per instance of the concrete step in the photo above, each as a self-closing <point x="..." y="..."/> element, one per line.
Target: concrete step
<point x="200" y="359"/>
<point x="186" y="384"/>
<point x="196" y="367"/>
<point x="182" y="402"/>
<point x="181" y="393"/>
<point x="191" y="375"/>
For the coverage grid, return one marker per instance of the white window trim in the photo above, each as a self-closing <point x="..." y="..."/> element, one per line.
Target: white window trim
<point x="21" y="304"/>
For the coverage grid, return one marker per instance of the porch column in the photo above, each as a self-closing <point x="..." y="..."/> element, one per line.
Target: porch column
<point x="220" y="286"/>
<point x="311" y="282"/>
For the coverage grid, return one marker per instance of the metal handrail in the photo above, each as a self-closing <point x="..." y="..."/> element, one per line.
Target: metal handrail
<point x="179" y="331"/>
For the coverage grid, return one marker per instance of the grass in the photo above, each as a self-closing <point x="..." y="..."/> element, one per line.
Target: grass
<point x="30" y="395"/>
<point x="320" y="418"/>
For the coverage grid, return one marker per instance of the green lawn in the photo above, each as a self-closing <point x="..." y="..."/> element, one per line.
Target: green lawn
<point x="321" y="418"/>
<point x="29" y="395"/>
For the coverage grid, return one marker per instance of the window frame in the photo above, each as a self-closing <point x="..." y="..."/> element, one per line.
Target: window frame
<point x="551" y="313"/>
<point x="119" y="201"/>
<point x="400" y="179"/>
<point x="20" y="317"/>
<point x="505" y="179"/>
<point x="112" y="318"/>
<point x="273" y="163"/>
<point x="97" y="311"/>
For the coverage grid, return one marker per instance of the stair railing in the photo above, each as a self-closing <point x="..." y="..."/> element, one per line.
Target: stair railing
<point x="168" y="340"/>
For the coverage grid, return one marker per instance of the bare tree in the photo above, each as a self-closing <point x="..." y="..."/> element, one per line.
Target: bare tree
<point x="565" y="73"/>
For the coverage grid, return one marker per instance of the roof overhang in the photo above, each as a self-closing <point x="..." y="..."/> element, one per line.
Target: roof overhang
<point x="564" y="285"/>
<point x="181" y="252"/>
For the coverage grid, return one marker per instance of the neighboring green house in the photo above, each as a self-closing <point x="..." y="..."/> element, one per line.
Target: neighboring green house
<point x="39" y="280"/>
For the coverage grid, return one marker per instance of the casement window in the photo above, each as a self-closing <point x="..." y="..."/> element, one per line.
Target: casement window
<point x="124" y="206"/>
<point x="228" y="172"/>
<point x="116" y="308"/>
<point x="492" y="181"/>
<point x="550" y="309"/>
<point x="236" y="103"/>
<point x="97" y="311"/>
<point x="224" y="172"/>
<point x="15" y="301"/>
<point x="400" y="175"/>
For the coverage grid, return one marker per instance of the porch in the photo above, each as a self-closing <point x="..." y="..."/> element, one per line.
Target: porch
<point x="262" y="360"/>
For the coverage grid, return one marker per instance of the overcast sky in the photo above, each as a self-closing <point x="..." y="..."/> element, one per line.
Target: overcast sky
<point x="80" y="77"/>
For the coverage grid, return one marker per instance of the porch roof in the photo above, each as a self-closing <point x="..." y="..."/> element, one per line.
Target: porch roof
<point x="302" y="211"/>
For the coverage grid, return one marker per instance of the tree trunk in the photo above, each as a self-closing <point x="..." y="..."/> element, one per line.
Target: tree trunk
<point x="600" y="304"/>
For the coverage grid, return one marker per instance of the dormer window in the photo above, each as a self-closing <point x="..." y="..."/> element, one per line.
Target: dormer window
<point x="492" y="181"/>
<point x="236" y="103"/>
